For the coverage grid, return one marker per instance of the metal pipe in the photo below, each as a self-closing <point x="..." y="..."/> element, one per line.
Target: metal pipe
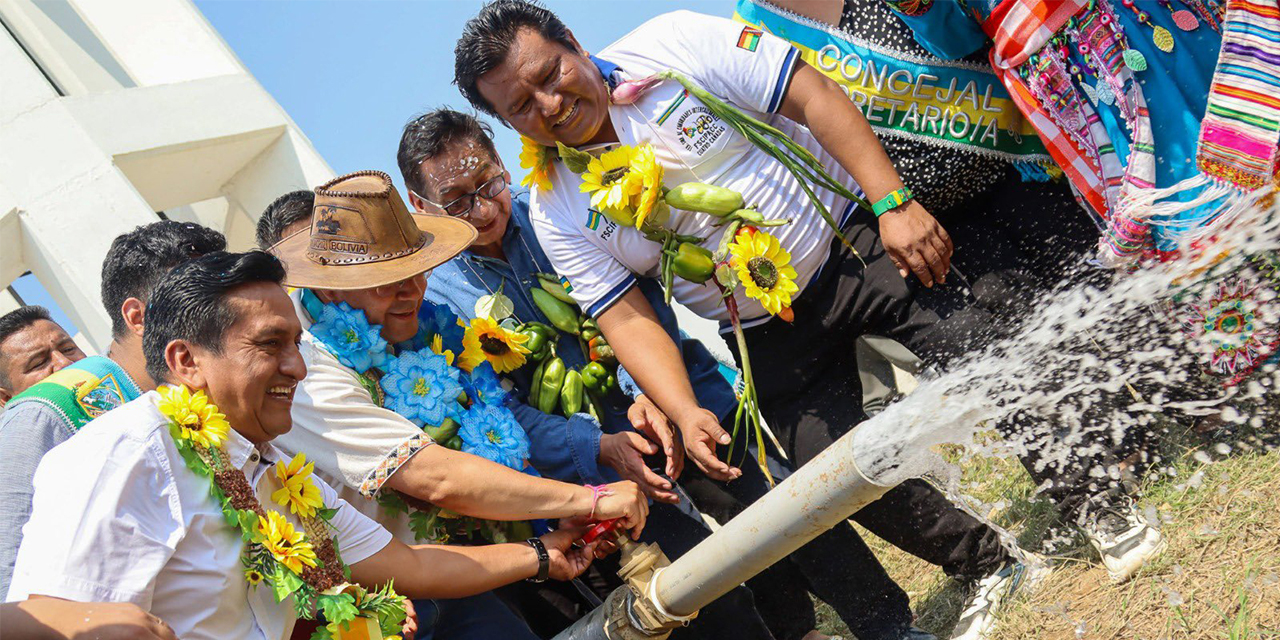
<point x="818" y="496"/>
<point x="821" y="494"/>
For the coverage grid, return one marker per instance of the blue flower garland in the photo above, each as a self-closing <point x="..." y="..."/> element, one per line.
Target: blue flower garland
<point x="423" y="387"/>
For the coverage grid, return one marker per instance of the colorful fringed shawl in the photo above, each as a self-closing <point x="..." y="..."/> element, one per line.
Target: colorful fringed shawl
<point x="1241" y="129"/>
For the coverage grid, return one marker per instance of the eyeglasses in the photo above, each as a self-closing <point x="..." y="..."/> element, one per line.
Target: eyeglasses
<point x="461" y="207"/>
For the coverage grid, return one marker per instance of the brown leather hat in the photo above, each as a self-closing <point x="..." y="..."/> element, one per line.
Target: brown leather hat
<point x="362" y="236"/>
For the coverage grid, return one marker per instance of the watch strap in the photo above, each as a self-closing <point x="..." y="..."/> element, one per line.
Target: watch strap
<point x="895" y="198"/>
<point x="544" y="560"/>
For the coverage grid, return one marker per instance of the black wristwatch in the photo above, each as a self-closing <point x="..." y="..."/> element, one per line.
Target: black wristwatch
<point x="544" y="560"/>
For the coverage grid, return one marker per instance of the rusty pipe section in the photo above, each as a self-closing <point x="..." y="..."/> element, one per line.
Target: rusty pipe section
<point x="814" y="499"/>
<point x="827" y="490"/>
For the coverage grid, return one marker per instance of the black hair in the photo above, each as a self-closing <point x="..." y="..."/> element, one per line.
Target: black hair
<point x="138" y="260"/>
<point x="427" y="135"/>
<point x="15" y="321"/>
<point x="191" y="302"/>
<point x="279" y="215"/>
<point x="486" y="39"/>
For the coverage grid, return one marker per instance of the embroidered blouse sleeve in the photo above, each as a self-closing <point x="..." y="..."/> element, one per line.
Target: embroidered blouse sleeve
<point x="339" y="426"/>
<point x="105" y="519"/>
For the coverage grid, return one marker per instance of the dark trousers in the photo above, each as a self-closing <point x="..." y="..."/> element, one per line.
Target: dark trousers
<point x="479" y="617"/>
<point x="810" y="395"/>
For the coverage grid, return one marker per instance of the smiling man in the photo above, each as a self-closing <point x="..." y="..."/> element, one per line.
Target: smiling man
<point x="150" y="529"/>
<point x="517" y="61"/>
<point x="58" y="406"/>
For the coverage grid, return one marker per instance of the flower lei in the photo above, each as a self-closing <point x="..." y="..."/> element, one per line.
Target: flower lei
<point x="445" y="381"/>
<point x="626" y="185"/>
<point x="302" y="563"/>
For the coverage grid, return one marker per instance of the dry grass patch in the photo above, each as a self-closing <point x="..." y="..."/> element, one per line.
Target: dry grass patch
<point x="1218" y="578"/>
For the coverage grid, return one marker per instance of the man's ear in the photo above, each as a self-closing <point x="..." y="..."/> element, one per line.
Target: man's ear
<point x="184" y="364"/>
<point x="132" y="310"/>
<point x="577" y="46"/>
<point x="417" y="203"/>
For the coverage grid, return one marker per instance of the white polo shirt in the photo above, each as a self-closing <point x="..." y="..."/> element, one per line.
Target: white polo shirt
<point x="119" y="517"/>
<point x="739" y="64"/>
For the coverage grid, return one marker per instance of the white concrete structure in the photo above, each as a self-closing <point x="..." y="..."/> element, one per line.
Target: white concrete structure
<point x="114" y="110"/>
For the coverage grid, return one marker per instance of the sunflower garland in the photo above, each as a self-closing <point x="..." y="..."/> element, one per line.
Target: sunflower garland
<point x="443" y="393"/>
<point x="536" y="160"/>
<point x="305" y="564"/>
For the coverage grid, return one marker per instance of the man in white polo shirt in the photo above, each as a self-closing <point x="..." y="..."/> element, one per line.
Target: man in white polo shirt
<point x="122" y="513"/>
<point x="518" y="62"/>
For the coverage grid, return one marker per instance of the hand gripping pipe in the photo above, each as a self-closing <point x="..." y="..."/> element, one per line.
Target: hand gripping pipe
<point x="827" y="490"/>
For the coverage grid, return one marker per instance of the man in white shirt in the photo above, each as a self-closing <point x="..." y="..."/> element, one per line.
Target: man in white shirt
<point x="120" y="516"/>
<point x="518" y="62"/>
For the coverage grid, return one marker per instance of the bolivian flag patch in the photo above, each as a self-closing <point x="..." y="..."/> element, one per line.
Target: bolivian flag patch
<point x="749" y="39"/>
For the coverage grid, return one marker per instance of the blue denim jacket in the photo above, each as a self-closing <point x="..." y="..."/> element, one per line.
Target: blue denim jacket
<point x="564" y="449"/>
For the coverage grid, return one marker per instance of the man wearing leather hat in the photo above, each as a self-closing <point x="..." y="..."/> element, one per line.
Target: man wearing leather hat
<point x="388" y="402"/>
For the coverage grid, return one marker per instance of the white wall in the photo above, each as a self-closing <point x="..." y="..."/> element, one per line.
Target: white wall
<point x="113" y="110"/>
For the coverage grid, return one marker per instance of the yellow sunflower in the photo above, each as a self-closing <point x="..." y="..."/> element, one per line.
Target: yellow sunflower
<point x="286" y="544"/>
<point x="764" y="268"/>
<point x="536" y="159"/>
<point x="197" y="419"/>
<point x="487" y="340"/>
<point x="253" y="576"/>
<point x="645" y="166"/>
<point x="437" y="347"/>
<point x="614" y="187"/>
<point x="298" y="491"/>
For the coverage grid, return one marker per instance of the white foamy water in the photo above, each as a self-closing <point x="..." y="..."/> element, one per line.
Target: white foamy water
<point x="1087" y="366"/>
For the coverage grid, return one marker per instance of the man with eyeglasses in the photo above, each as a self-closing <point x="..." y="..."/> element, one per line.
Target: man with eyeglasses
<point x="449" y="164"/>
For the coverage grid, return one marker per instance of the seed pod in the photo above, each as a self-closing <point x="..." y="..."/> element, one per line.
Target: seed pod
<point x="705" y="198"/>
<point x="563" y="316"/>
<point x="571" y="394"/>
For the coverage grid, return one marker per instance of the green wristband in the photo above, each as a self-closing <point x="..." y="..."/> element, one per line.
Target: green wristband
<point x="894" y="199"/>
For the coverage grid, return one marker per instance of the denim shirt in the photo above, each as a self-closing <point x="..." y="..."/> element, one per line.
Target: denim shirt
<point x="564" y="449"/>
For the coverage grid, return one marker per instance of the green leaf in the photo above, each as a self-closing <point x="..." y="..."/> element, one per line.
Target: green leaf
<point x="281" y="586"/>
<point x="322" y="633"/>
<point x="326" y="514"/>
<point x="340" y="608"/>
<point x="575" y="160"/>
<point x="496" y="306"/>
<point x="392" y="501"/>
<point x="248" y="523"/>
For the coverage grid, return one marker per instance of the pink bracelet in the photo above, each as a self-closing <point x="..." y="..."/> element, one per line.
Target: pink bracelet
<point x="597" y="490"/>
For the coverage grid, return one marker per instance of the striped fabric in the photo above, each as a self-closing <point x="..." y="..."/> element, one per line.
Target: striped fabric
<point x="1019" y="28"/>
<point x="1241" y="128"/>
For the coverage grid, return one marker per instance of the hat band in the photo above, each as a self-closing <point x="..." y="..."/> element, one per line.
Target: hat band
<point x="325" y="255"/>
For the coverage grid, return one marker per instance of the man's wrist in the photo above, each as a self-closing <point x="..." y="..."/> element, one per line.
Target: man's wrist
<point x="582" y="501"/>
<point x="541" y="560"/>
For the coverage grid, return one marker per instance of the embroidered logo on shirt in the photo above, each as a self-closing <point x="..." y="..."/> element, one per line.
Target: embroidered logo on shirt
<point x="103" y="397"/>
<point x="749" y="39"/>
<point x="564" y="282"/>
<point x="697" y="129"/>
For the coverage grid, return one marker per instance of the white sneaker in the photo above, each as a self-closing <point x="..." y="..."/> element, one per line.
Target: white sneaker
<point x="991" y="592"/>
<point x="1124" y="539"/>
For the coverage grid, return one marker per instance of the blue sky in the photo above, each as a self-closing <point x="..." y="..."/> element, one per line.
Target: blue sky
<point x="351" y="73"/>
